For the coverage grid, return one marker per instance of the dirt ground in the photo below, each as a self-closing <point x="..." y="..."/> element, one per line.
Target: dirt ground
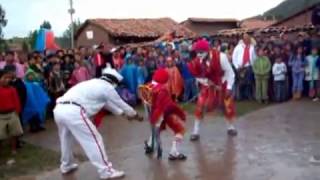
<point x="274" y="143"/>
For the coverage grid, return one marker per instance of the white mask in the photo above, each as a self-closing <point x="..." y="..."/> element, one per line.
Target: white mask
<point x="202" y="55"/>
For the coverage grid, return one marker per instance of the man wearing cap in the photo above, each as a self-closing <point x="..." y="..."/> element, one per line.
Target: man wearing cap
<point x="73" y="114"/>
<point x="215" y="76"/>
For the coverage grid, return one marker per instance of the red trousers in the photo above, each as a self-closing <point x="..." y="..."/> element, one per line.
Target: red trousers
<point x="176" y="124"/>
<point x="210" y="99"/>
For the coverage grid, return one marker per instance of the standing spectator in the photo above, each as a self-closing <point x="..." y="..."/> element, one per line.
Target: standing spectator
<point x="80" y="72"/>
<point x="142" y="73"/>
<point x="175" y="81"/>
<point x="261" y="69"/>
<point x="129" y="73"/>
<point x="279" y="71"/>
<point x="161" y="62"/>
<point x="151" y="64"/>
<point x="10" y="126"/>
<point x="56" y="86"/>
<point x="18" y="84"/>
<point x="67" y="67"/>
<point x="297" y="64"/>
<point x="11" y="58"/>
<point x="312" y="73"/>
<point x="243" y="57"/>
<point x="118" y="61"/>
<point x="190" y="88"/>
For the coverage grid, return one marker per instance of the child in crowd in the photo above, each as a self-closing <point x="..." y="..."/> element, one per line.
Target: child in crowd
<point x="279" y="71"/>
<point x="80" y="72"/>
<point x="312" y="73"/>
<point x="297" y="64"/>
<point x="55" y="84"/>
<point x="10" y="126"/>
<point x="261" y="69"/>
<point x="67" y="67"/>
<point x="142" y="73"/>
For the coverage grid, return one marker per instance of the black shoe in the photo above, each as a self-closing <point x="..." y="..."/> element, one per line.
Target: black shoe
<point x="41" y="128"/>
<point x="159" y="153"/>
<point x="232" y="132"/>
<point x="194" y="137"/>
<point x="180" y="157"/>
<point x="147" y="148"/>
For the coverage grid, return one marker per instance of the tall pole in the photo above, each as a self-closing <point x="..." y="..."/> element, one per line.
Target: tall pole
<point x="71" y="12"/>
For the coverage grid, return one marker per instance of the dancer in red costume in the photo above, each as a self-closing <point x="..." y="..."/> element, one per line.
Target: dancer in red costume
<point x="164" y="112"/>
<point x="216" y="78"/>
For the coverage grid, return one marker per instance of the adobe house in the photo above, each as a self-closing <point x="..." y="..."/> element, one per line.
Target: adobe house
<point x="303" y="17"/>
<point x="114" y="32"/>
<point x="209" y="26"/>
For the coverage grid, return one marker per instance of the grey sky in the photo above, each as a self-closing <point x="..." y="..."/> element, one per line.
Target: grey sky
<point x="26" y="15"/>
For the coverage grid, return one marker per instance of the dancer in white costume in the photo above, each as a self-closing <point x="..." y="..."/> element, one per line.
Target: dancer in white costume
<point x="73" y="114"/>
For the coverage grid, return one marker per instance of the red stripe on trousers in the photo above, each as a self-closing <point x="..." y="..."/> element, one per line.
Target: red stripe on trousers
<point x="95" y="139"/>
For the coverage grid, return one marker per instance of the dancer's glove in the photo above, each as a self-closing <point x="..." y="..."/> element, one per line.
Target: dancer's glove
<point x="136" y="117"/>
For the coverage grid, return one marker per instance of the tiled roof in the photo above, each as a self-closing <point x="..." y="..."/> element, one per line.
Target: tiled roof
<point x="150" y="28"/>
<point x="271" y="29"/>
<point x="212" y="20"/>
<point x="256" y="23"/>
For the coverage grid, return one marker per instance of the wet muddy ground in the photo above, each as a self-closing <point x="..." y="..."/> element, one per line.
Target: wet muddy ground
<point x="274" y="143"/>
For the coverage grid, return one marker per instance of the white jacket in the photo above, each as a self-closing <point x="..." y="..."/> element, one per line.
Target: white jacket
<point x="279" y="71"/>
<point x="228" y="73"/>
<point x="237" y="56"/>
<point x="95" y="94"/>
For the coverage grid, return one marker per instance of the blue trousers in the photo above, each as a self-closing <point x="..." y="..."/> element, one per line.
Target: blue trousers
<point x="297" y="85"/>
<point x="190" y="89"/>
<point x="280" y="90"/>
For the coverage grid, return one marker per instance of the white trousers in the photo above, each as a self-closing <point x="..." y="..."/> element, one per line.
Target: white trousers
<point x="72" y="121"/>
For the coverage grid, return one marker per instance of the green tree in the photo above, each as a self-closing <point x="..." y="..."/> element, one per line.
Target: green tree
<point x="65" y="40"/>
<point x="3" y="20"/>
<point x="46" y="25"/>
<point x="25" y="46"/>
<point x="31" y="39"/>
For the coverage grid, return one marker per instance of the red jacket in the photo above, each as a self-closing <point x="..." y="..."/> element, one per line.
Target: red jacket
<point x="213" y="72"/>
<point x="163" y="106"/>
<point x="9" y="100"/>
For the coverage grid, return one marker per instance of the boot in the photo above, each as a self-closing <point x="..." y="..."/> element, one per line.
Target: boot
<point x="148" y="149"/>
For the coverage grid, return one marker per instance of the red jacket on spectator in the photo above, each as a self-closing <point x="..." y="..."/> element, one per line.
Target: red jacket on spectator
<point x="9" y="100"/>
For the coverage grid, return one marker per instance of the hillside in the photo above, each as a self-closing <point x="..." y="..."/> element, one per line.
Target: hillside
<point x="288" y="8"/>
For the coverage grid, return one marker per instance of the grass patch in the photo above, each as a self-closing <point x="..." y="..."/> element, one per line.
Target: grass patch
<point x="245" y="107"/>
<point x="29" y="160"/>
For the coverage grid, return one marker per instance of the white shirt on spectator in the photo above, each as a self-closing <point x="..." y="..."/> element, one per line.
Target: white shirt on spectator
<point x="237" y="56"/>
<point x="279" y="71"/>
